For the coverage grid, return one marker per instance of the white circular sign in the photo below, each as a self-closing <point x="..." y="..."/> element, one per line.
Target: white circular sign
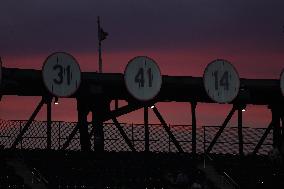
<point x="282" y="82"/>
<point x="143" y="78"/>
<point x="61" y="74"/>
<point x="221" y="81"/>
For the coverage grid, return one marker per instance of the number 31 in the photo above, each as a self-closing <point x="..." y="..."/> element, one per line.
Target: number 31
<point x="59" y="79"/>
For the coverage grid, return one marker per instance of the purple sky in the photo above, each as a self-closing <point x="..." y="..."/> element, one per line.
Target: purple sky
<point x="182" y="36"/>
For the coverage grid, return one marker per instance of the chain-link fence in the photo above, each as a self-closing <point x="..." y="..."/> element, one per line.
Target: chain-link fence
<point x="159" y="140"/>
<point x="228" y="142"/>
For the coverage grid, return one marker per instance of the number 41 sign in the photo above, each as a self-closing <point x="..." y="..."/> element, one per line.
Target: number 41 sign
<point x="143" y="78"/>
<point x="61" y="74"/>
<point x="221" y="81"/>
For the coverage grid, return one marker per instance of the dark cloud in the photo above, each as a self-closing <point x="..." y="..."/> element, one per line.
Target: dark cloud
<point x="250" y="32"/>
<point x="34" y="26"/>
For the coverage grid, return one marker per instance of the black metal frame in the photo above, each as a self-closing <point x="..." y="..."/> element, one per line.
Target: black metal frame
<point x="167" y="129"/>
<point x="82" y="125"/>
<point x="277" y="112"/>
<point x="44" y="100"/>
<point x="218" y="134"/>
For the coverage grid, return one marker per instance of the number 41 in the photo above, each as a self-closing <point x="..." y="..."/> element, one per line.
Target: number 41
<point x="139" y="78"/>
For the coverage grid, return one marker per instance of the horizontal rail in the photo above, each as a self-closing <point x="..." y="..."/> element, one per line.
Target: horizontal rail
<point x="28" y="82"/>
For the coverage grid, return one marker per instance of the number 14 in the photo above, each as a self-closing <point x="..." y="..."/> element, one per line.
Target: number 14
<point x="224" y="81"/>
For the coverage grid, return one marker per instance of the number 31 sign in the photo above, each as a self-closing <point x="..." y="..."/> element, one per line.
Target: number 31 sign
<point x="221" y="81"/>
<point x="143" y="78"/>
<point x="61" y="74"/>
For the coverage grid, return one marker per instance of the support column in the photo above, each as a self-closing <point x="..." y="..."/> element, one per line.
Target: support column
<point x="83" y="111"/>
<point x="48" y="123"/>
<point x="275" y="110"/>
<point x="282" y="126"/>
<point x="100" y="108"/>
<point x="282" y="134"/>
<point x="99" y="132"/>
<point x="193" y="116"/>
<point x="146" y="126"/>
<point x="240" y="129"/>
<point x="116" y="106"/>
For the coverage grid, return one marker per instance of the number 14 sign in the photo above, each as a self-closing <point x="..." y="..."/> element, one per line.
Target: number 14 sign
<point x="143" y="78"/>
<point x="221" y="81"/>
<point x="61" y="74"/>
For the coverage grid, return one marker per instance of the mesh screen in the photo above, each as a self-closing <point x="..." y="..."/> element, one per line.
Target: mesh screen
<point x="36" y="137"/>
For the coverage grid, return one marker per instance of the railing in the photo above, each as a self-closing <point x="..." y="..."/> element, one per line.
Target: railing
<point x="228" y="141"/>
<point x="36" y="137"/>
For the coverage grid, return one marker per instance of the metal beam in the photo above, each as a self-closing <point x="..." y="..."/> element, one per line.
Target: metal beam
<point x="98" y="131"/>
<point x="275" y="110"/>
<point x="123" y="110"/>
<point x="193" y="120"/>
<point x="282" y="126"/>
<point x="123" y="134"/>
<point x="262" y="138"/>
<point x="26" y="127"/>
<point x="167" y="129"/>
<point x="115" y="113"/>
<point x="70" y="137"/>
<point x="116" y="105"/>
<point x="275" y="125"/>
<point x="240" y="131"/>
<point x="28" y="82"/>
<point x="131" y="106"/>
<point x="228" y="118"/>
<point x="82" y="126"/>
<point x="146" y="126"/>
<point x="48" y="124"/>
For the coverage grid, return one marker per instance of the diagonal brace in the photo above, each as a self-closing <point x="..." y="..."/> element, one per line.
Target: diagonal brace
<point x="115" y="113"/>
<point x="268" y="129"/>
<point x="167" y="129"/>
<point x="225" y="123"/>
<point x="121" y="111"/>
<point x="125" y="137"/>
<point x="26" y="127"/>
<point x="71" y="136"/>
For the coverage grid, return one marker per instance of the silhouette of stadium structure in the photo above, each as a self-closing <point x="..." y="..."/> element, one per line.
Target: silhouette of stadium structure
<point x="107" y="154"/>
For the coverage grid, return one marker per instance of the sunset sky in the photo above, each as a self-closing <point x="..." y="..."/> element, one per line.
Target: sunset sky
<point x="183" y="36"/>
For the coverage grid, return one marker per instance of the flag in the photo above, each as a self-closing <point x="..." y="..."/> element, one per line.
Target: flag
<point x="102" y="34"/>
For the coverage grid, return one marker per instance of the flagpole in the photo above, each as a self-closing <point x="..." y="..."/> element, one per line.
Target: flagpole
<point x="100" y="47"/>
